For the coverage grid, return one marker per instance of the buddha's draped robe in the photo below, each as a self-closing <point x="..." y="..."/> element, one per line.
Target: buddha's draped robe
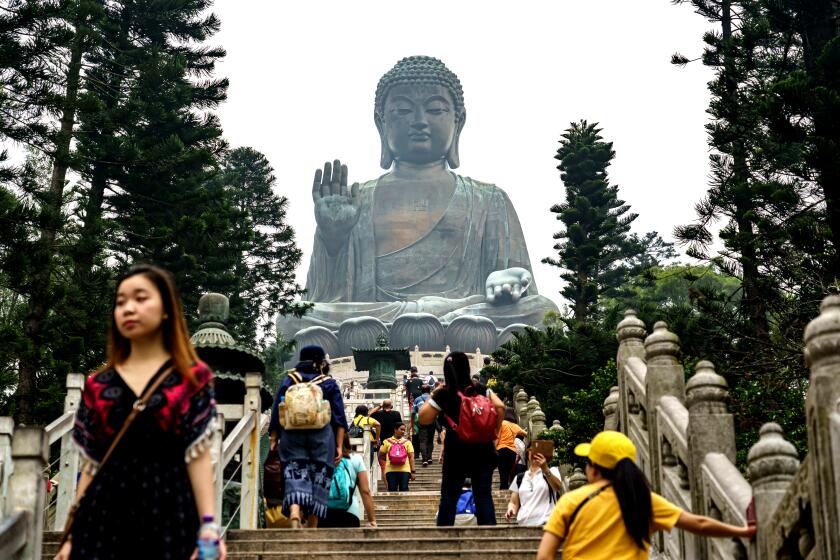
<point x="443" y="272"/>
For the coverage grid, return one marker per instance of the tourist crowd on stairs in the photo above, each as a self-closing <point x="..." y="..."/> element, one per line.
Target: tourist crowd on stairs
<point x="325" y="484"/>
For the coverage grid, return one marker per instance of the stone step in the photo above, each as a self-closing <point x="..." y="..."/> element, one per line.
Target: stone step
<point x="407" y="532"/>
<point x="323" y="542"/>
<point x="525" y="553"/>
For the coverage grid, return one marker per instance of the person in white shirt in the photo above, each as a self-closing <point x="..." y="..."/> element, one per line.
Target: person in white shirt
<point x="534" y="493"/>
<point x="431" y="380"/>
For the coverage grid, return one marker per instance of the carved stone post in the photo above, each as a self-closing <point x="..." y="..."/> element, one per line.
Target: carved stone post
<point x="249" y="498"/>
<point x="822" y="354"/>
<point x="7" y="428"/>
<point x="27" y="486"/>
<point x="631" y="336"/>
<point x="216" y="459"/>
<point x="537" y="425"/>
<point x="529" y="410"/>
<point x="69" y="462"/>
<point x="772" y="464"/>
<point x="375" y="472"/>
<point x="520" y="403"/>
<point x="665" y="376"/>
<point x="711" y="428"/>
<point x="611" y="410"/>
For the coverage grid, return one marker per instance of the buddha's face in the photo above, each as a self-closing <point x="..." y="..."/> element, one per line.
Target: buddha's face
<point x="419" y="122"/>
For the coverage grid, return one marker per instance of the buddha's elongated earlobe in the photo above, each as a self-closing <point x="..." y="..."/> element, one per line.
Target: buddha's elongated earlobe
<point x="452" y="157"/>
<point x="386" y="159"/>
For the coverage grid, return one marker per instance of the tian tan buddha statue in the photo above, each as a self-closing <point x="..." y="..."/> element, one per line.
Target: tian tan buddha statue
<point x="420" y="239"/>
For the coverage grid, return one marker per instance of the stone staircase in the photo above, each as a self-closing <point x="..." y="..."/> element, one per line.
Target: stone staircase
<point x="406" y="527"/>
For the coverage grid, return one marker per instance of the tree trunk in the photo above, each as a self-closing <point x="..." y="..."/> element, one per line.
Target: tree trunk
<point x="90" y="242"/>
<point x="40" y="287"/>
<point x="754" y="304"/>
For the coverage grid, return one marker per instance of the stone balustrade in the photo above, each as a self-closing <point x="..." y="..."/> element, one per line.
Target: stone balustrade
<point x="685" y="440"/>
<point x="343" y="368"/>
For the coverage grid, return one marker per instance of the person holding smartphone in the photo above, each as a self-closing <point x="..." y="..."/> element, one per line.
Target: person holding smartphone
<point x="534" y="493"/>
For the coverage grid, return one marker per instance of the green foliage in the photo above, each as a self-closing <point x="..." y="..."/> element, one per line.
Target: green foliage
<point x="584" y="415"/>
<point x="596" y="249"/>
<point x="775" y="174"/>
<point x="268" y="254"/>
<point x="119" y="96"/>
<point x="553" y="364"/>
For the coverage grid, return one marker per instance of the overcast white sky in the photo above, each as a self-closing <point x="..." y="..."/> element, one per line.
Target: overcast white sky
<point x="303" y="76"/>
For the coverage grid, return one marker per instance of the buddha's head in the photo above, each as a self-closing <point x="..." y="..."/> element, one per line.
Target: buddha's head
<point x="419" y="112"/>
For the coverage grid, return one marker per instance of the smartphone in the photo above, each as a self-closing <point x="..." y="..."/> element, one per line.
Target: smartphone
<point x="544" y="447"/>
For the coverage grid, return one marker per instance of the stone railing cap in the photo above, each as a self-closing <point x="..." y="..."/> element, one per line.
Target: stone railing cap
<point x="822" y="335"/>
<point x="612" y="397"/>
<point x="631" y="326"/>
<point x="772" y="445"/>
<point x="661" y="340"/>
<point x="706" y="384"/>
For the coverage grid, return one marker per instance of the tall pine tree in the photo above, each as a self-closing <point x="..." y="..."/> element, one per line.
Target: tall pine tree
<point x="269" y="256"/>
<point x="595" y="245"/>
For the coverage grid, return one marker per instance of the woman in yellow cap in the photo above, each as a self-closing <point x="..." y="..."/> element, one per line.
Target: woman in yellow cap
<point x="613" y="516"/>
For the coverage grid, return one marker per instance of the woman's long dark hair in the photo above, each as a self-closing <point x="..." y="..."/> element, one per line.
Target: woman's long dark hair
<point x="633" y="493"/>
<point x="456" y="371"/>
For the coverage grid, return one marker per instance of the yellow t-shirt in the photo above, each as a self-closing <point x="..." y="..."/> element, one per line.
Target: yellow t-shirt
<point x="386" y="446"/>
<point x="507" y="435"/>
<point x="366" y="421"/>
<point x="598" y="532"/>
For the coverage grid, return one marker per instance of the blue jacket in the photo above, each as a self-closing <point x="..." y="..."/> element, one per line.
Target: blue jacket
<point x="332" y="394"/>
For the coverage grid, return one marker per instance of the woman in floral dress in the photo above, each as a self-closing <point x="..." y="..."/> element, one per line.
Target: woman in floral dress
<point x="150" y="497"/>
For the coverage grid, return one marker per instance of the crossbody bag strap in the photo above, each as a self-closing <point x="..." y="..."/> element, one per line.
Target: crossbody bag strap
<point x="138" y="407"/>
<point x="583" y="503"/>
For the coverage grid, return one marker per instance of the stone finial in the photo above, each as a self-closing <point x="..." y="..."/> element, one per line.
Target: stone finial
<point x="822" y="335"/>
<point x="537" y="421"/>
<point x="532" y="404"/>
<point x="611" y="409"/>
<point x="611" y="402"/>
<point x="772" y="458"/>
<point x="556" y="426"/>
<point x="706" y="391"/>
<point x="577" y="479"/>
<point x="661" y="341"/>
<point x="630" y="327"/>
<point x="213" y="308"/>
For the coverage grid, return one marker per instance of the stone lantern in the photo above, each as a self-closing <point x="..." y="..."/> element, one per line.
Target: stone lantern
<point x="229" y="360"/>
<point x="382" y="363"/>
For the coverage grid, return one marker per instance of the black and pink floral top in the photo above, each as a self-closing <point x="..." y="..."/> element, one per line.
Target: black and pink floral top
<point x="143" y="494"/>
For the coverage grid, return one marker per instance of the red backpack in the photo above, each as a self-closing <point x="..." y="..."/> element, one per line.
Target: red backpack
<point x="477" y="419"/>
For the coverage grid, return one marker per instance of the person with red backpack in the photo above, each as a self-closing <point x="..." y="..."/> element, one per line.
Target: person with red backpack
<point x="398" y="454"/>
<point x="472" y="416"/>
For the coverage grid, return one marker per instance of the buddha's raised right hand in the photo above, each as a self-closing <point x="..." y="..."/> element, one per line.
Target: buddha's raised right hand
<point x="336" y="206"/>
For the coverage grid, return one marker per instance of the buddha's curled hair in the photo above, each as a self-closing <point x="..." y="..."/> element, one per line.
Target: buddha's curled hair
<point x="420" y="70"/>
